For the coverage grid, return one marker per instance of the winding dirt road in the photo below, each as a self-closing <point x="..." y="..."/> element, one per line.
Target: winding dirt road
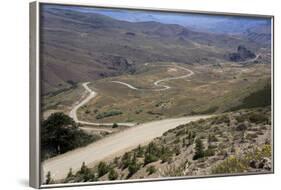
<point x="158" y="82"/>
<point x="111" y="146"/>
<point x="92" y="94"/>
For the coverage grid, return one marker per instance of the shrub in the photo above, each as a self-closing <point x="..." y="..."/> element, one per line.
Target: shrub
<point x="149" y="158"/>
<point x="199" y="149"/>
<point x="115" y="125"/>
<point x="49" y="179"/>
<point x="209" y="152"/>
<point x="166" y="154"/>
<point x="230" y="165"/>
<point x="85" y="174"/>
<point x="150" y="170"/>
<point x="103" y="168"/>
<point x="113" y="175"/>
<point x="139" y="151"/>
<point x="258" y="118"/>
<point x="133" y="167"/>
<point x="70" y="174"/>
<point x="125" y="160"/>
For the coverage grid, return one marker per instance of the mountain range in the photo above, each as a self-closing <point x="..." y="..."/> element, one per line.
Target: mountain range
<point x="81" y="46"/>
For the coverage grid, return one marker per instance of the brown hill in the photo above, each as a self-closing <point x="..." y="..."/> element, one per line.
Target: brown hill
<point x="79" y="46"/>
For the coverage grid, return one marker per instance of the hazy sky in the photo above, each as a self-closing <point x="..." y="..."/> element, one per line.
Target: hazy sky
<point x="197" y="21"/>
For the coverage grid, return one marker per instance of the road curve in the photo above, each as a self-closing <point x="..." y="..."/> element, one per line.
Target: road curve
<point x="158" y="82"/>
<point x="92" y="94"/>
<point x="111" y="146"/>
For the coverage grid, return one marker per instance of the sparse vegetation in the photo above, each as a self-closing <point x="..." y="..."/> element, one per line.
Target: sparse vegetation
<point x="108" y="114"/>
<point x="235" y="164"/>
<point x="233" y="86"/>
<point x="192" y="148"/>
<point x="113" y="175"/>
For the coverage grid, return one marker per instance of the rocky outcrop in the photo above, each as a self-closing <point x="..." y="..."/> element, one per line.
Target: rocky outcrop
<point x="242" y="54"/>
<point x="264" y="163"/>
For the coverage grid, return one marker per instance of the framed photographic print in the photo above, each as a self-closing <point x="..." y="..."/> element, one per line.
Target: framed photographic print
<point x="131" y="94"/>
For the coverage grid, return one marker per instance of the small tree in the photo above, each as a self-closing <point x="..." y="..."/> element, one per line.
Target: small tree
<point x="70" y="174"/>
<point x="49" y="179"/>
<point x="115" y="125"/>
<point x="84" y="169"/>
<point x="113" y="175"/>
<point x="134" y="166"/>
<point x="139" y="151"/>
<point x="126" y="160"/>
<point x="199" y="149"/>
<point x="102" y="169"/>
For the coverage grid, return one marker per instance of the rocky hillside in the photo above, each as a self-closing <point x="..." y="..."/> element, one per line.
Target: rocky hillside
<point x="80" y="46"/>
<point x="235" y="142"/>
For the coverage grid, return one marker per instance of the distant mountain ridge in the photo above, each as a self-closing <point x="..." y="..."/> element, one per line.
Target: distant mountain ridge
<point x="81" y="46"/>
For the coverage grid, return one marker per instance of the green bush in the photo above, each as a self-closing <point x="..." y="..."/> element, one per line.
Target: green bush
<point x="152" y="153"/>
<point x="148" y="158"/>
<point x="133" y="167"/>
<point x="115" y="125"/>
<point x="85" y="174"/>
<point x="139" y="151"/>
<point x="166" y="154"/>
<point x="103" y="169"/>
<point x="113" y="175"/>
<point x="199" y="149"/>
<point x="125" y="160"/>
<point x="150" y="170"/>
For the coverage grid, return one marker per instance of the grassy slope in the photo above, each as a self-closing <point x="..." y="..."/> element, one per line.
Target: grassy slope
<point x="209" y="90"/>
